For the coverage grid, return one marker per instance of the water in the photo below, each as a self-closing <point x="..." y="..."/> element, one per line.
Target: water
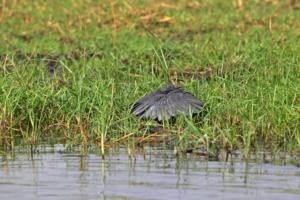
<point x="152" y="175"/>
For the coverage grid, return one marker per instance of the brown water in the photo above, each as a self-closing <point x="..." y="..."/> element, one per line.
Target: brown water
<point x="156" y="174"/>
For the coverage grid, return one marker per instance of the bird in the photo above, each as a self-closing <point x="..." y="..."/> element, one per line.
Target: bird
<point x="166" y="103"/>
<point x="52" y="64"/>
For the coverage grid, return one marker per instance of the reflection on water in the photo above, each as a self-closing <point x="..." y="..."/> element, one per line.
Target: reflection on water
<point x="153" y="175"/>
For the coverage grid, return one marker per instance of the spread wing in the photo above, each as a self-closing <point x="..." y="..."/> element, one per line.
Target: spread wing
<point x="163" y="105"/>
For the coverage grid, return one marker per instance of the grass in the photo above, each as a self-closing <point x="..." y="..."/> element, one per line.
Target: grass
<point x="242" y="58"/>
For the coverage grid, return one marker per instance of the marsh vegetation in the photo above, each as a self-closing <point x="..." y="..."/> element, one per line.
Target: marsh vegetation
<point x="70" y="71"/>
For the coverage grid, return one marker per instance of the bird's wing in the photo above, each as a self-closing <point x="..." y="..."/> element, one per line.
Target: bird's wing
<point x="163" y="105"/>
<point x="157" y="109"/>
<point x="145" y="104"/>
<point x="168" y="105"/>
<point x="184" y="102"/>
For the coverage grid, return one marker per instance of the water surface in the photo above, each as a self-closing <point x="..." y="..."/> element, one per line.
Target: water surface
<point x="153" y="174"/>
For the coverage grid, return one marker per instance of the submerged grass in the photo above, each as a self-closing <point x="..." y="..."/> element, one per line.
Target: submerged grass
<point x="71" y="70"/>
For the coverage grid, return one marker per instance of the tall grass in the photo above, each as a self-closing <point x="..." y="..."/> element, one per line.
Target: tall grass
<point x="243" y="68"/>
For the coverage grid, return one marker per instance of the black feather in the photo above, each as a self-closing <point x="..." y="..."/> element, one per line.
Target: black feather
<point x="166" y="103"/>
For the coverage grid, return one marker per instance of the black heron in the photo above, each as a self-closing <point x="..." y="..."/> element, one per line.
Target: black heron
<point x="166" y="103"/>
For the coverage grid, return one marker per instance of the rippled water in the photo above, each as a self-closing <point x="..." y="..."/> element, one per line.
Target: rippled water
<point x="155" y="174"/>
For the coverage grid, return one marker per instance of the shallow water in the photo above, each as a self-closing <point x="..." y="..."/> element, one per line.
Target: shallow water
<point x="156" y="174"/>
